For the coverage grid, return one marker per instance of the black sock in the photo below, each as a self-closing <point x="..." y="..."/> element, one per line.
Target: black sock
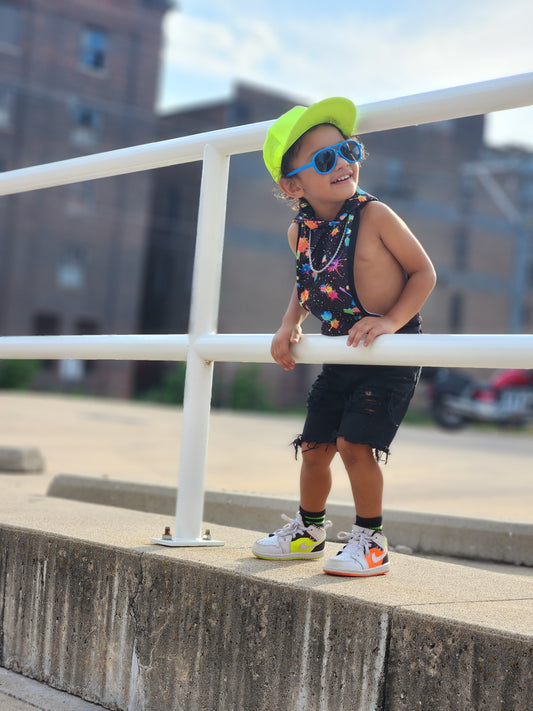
<point x="315" y="519"/>
<point x="375" y="523"/>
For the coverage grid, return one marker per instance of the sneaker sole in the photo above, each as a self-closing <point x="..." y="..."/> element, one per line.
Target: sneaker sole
<point x="290" y="556"/>
<point x="359" y="574"/>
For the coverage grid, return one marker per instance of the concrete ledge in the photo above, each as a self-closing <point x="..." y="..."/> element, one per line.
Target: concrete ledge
<point x="88" y="607"/>
<point x="459" y="537"/>
<point x="21" y="459"/>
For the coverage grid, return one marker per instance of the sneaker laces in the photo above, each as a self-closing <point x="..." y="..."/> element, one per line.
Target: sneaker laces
<point x="356" y="541"/>
<point x="292" y="528"/>
<point x="295" y="526"/>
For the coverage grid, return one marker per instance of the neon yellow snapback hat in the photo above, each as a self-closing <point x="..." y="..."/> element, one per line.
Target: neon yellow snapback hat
<point x="293" y="124"/>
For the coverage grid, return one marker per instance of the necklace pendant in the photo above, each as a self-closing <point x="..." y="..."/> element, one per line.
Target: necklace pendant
<point x="324" y="261"/>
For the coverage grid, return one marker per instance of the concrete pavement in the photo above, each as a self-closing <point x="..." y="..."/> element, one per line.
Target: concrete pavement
<point x="471" y="473"/>
<point x="18" y="693"/>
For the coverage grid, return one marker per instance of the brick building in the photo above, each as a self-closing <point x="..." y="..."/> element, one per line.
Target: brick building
<point x="76" y="77"/>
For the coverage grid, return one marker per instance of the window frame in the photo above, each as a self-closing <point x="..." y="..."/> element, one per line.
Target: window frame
<point x="94" y="55"/>
<point x="16" y="16"/>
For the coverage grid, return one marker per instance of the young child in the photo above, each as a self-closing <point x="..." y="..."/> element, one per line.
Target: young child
<point x="362" y="272"/>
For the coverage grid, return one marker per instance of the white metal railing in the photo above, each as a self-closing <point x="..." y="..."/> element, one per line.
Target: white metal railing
<point x="202" y="345"/>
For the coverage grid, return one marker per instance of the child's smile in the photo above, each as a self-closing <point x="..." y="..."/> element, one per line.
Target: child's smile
<point x="343" y="178"/>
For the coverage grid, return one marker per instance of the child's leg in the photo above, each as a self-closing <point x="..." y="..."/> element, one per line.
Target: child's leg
<point x="366" y="551"/>
<point x="305" y="535"/>
<point x="365" y="476"/>
<point x="315" y="475"/>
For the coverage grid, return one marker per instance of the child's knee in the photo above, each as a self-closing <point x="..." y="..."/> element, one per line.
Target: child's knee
<point x="354" y="453"/>
<point x="314" y="454"/>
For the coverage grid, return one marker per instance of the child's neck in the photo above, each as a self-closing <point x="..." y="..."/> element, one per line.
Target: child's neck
<point x="326" y="211"/>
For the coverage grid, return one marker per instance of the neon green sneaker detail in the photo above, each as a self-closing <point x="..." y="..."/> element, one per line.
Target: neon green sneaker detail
<point x="293" y="542"/>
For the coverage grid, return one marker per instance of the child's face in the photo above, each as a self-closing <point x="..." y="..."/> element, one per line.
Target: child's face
<point x="322" y="190"/>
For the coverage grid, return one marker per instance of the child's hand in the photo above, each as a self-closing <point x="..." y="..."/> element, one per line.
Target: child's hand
<point x="280" y="348"/>
<point x="369" y="328"/>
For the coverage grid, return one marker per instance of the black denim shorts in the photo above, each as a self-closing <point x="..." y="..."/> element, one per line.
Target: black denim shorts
<point x="363" y="404"/>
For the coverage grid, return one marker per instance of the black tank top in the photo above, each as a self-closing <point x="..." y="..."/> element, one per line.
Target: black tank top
<point x="324" y="265"/>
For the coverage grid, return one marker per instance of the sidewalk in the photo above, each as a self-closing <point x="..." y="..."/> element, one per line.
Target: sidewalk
<point x="480" y="474"/>
<point x="18" y="693"/>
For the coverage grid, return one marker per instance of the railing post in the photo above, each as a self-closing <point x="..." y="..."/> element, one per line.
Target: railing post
<point x="199" y="375"/>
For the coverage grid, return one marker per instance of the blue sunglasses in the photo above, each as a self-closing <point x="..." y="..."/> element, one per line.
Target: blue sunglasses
<point x="324" y="160"/>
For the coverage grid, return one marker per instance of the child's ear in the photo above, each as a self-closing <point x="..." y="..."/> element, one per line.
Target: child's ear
<point x="291" y="187"/>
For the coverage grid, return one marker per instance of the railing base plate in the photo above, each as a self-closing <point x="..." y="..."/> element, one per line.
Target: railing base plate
<point x="186" y="542"/>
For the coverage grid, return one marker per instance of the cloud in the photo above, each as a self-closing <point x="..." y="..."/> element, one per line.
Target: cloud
<point x="365" y="51"/>
<point x="369" y="55"/>
<point x="198" y="44"/>
<point x="246" y="49"/>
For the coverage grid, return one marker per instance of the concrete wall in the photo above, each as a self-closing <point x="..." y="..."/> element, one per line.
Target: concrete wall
<point x="145" y="629"/>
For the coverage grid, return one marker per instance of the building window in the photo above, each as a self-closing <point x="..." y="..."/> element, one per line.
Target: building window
<point x="70" y="272"/>
<point x="171" y="207"/>
<point x="163" y="272"/>
<point x="93" y="49"/>
<point x="47" y="324"/>
<point x="86" y="117"/>
<point x="10" y="25"/>
<point x="71" y="370"/>
<point x="87" y="122"/>
<point x="7" y="107"/>
<point x="87" y="327"/>
<point x="456" y="317"/>
<point x="80" y="199"/>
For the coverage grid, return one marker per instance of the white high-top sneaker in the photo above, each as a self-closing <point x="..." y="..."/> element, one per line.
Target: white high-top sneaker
<point x="294" y="541"/>
<point x="364" y="554"/>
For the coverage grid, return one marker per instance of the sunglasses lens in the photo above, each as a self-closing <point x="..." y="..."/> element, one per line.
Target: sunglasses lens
<point x="351" y="151"/>
<point x="325" y="160"/>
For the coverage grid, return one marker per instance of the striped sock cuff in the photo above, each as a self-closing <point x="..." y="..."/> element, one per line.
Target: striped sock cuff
<point x="316" y="518"/>
<point x="375" y="523"/>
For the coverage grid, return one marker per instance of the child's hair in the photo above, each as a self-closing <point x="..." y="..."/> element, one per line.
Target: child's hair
<point x="296" y="203"/>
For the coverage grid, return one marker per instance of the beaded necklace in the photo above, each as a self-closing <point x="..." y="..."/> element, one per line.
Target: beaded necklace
<point x="341" y="240"/>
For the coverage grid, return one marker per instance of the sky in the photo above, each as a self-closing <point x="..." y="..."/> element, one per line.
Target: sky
<point x="365" y="51"/>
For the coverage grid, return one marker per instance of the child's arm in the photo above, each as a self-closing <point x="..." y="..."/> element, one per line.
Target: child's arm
<point x="398" y="239"/>
<point x="290" y="330"/>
